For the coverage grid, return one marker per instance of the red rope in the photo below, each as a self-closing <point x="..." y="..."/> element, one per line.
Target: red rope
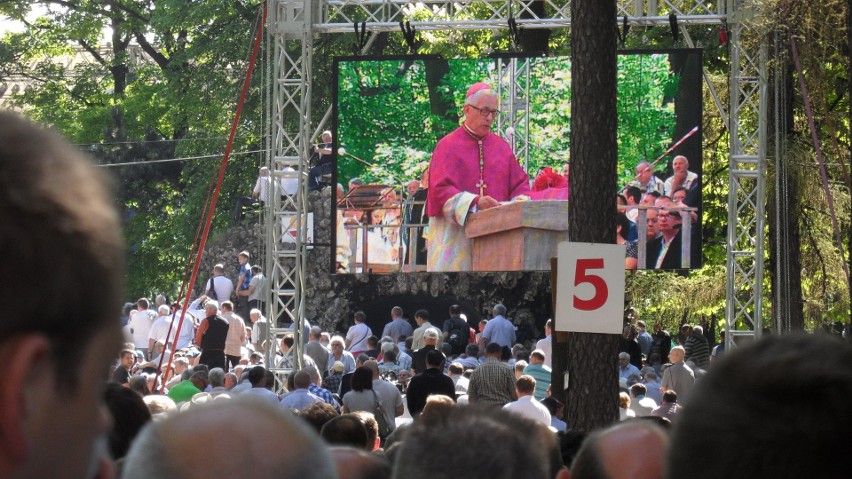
<point x="208" y="214"/>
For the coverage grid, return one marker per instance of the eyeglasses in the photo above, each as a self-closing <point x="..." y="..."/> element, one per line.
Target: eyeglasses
<point x="485" y="111"/>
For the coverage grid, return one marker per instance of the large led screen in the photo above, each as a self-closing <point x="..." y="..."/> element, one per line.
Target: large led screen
<point x="462" y="165"/>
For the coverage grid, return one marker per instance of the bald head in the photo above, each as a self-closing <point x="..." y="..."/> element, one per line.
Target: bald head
<point x="635" y="449"/>
<point x="169" y="448"/>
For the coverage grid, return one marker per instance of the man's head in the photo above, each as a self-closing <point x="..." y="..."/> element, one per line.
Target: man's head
<point x="638" y="390"/>
<point x="430" y="336"/>
<point x="471" y="350"/>
<point x="169" y="448"/>
<point x="534" y="449"/>
<point x="631" y="449"/>
<point x="668" y="221"/>
<point x="227" y="306"/>
<point x="676" y="354"/>
<point x="412" y="187"/>
<point x="200" y="380"/>
<point x="644" y="172"/>
<point x="254" y="315"/>
<point x="57" y="216"/>
<point x="346" y="430"/>
<point x="435" y="359"/>
<point x="537" y="357"/>
<point x="211" y="307"/>
<point x="257" y="376"/>
<point x="525" y="385"/>
<point x="480" y="108"/>
<point x="493" y="350"/>
<point x="302" y="380"/>
<point x="764" y="408"/>
<point x="216" y="376"/>
<point x="499" y="310"/>
<point x="243" y="257"/>
<point x="623" y="359"/>
<point x="360" y="317"/>
<point x="455" y="310"/>
<point x="326" y="136"/>
<point x="421" y="316"/>
<point x="680" y="164"/>
<point x="633" y="195"/>
<point x="128" y="357"/>
<point x="396" y="312"/>
<point x="287" y="343"/>
<point x="670" y="397"/>
<point x="218" y="270"/>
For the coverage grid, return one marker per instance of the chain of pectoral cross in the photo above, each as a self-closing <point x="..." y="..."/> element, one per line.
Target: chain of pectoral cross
<point x="481" y="183"/>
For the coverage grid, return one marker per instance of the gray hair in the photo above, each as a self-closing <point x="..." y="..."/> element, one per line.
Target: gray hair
<point x="216" y="376"/>
<point x="499" y="309"/>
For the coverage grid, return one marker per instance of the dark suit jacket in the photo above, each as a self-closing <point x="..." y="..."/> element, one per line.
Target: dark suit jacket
<point x="672" y="259"/>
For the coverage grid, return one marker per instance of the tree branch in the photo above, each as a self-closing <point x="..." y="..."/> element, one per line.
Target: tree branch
<point x="161" y="60"/>
<point x="92" y="51"/>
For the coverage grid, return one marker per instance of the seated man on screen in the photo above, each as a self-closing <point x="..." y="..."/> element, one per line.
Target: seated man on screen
<point x="664" y="251"/>
<point x="471" y="169"/>
<point x="646" y="180"/>
<point x="682" y="177"/>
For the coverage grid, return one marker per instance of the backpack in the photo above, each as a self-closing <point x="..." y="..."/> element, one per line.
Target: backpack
<point x="211" y="293"/>
<point x="457" y="337"/>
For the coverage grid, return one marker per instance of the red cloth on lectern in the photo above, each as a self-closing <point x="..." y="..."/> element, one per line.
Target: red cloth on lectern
<point x="455" y="168"/>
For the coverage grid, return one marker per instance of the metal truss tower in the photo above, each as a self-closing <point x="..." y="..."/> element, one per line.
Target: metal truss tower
<point x="293" y="24"/>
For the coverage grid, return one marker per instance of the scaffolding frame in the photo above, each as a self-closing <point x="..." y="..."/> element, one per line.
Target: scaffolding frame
<point x="293" y="24"/>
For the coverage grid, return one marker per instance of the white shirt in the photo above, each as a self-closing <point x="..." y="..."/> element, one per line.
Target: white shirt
<point x="223" y="287"/>
<point x="261" y="188"/>
<point x="160" y="329"/>
<point x="140" y="325"/>
<point x="529" y="408"/>
<point x="357" y="337"/>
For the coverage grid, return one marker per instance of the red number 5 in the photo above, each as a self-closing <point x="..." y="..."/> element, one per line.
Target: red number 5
<point x="581" y="276"/>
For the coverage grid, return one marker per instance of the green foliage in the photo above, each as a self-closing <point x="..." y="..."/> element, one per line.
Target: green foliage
<point x="387" y="118"/>
<point x="166" y="85"/>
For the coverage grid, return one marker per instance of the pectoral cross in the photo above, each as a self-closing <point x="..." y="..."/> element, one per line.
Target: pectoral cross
<point x="481" y="185"/>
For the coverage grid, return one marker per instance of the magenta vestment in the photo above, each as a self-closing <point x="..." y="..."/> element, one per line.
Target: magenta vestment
<point x="453" y="177"/>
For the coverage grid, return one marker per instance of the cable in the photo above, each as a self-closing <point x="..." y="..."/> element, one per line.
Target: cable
<point x="188" y="158"/>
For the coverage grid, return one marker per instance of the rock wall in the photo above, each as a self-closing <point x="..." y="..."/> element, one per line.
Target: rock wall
<point x="332" y="299"/>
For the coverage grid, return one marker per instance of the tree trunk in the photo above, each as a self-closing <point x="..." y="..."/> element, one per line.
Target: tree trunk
<point x="534" y="40"/>
<point x="785" y="245"/>
<point x="849" y="85"/>
<point x="592" y="400"/>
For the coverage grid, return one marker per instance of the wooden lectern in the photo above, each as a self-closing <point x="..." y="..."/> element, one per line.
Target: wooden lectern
<point x="517" y="236"/>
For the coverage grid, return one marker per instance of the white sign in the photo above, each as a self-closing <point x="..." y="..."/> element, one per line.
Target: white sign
<point x="590" y="288"/>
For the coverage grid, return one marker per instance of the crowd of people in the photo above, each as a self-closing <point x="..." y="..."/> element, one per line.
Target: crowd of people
<point x="776" y="408"/>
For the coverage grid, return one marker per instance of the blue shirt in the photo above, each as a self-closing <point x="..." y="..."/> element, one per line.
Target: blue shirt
<point x="246" y="270"/>
<point x="629" y="370"/>
<point x="499" y="330"/>
<point x="323" y="394"/>
<point x="299" y="399"/>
